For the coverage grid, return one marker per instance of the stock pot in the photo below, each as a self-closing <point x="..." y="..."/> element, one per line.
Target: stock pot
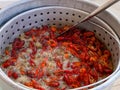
<point x="109" y="23"/>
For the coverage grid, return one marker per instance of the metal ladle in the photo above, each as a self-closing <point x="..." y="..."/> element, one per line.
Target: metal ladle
<point x="94" y="13"/>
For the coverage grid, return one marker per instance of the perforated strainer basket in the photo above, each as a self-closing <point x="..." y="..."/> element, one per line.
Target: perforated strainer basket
<point x="59" y="16"/>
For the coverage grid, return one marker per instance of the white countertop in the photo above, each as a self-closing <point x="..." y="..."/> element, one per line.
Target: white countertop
<point x="115" y="9"/>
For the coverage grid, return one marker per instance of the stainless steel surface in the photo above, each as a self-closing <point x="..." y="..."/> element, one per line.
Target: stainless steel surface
<point x="110" y="20"/>
<point x="60" y="16"/>
<point x="92" y="14"/>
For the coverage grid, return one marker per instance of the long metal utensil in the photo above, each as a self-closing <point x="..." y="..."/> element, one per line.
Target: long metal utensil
<point x="94" y="13"/>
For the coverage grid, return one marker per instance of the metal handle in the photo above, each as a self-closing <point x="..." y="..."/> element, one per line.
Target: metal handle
<point x="96" y="11"/>
<point x="99" y="9"/>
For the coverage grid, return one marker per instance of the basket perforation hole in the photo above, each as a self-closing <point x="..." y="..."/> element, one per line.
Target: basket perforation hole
<point x="54" y="18"/>
<point x="35" y="15"/>
<point x="111" y="49"/>
<point x="3" y="42"/>
<point x="60" y="12"/>
<point x="23" y="26"/>
<point x="36" y="21"/>
<point x="54" y="24"/>
<point x="13" y="33"/>
<point x="29" y="17"/>
<point x="8" y="38"/>
<point x="72" y="20"/>
<point x="113" y="43"/>
<point x="66" y="19"/>
<point x="41" y="13"/>
<point x="79" y="16"/>
<point x="103" y="38"/>
<point x="94" y="31"/>
<point x="105" y="32"/>
<point x="48" y="19"/>
<point x="16" y="22"/>
<point x="2" y="36"/>
<point x="54" y="12"/>
<point x="41" y="20"/>
<point x="60" y="24"/>
<point x="113" y="54"/>
<point x="48" y="24"/>
<point x="73" y="14"/>
<point x="30" y="24"/>
<point x="99" y="34"/>
<point x="12" y="26"/>
<point x="22" y="20"/>
<point x="60" y="19"/>
<point x="42" y="25"/>
<point x="48" y="12"/>
<point x="110" y="37"/>
<point x="67" y="13"/>
<point x="18" y="29"/>
<point x="6" y="31"/>
<point x="108" y="44"/>
<point x="37" y="27"/>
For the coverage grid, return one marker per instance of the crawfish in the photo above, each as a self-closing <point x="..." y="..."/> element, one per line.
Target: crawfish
<point x="52" y="83"/>
<point x="9" y="62"/>
<point x="71" y="80"/>
<point x="58" y="63"/>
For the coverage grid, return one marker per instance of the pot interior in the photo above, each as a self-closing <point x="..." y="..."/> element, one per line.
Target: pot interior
<point x="59" y="16"/>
